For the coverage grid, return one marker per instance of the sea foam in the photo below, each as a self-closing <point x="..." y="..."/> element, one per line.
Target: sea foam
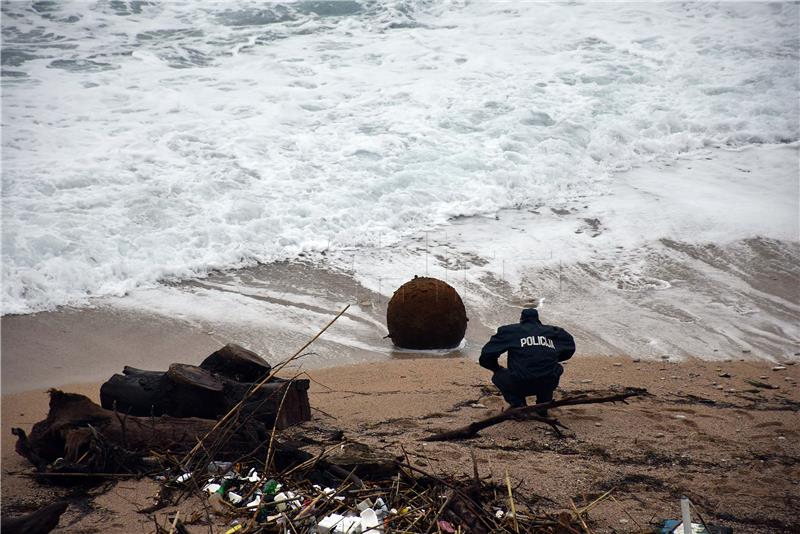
<point x="150" y="142"/>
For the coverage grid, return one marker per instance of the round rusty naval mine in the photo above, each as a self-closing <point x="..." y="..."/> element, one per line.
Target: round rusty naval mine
<point x="426" y="313"/>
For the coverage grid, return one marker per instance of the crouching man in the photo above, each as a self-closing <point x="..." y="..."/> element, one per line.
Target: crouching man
<point x="534" y="353"/>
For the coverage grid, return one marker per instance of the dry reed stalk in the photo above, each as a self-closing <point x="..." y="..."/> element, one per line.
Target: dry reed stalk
<point x="174" y="521"/>
<point x="511" y="501"/>
<point x="580" y="517"/>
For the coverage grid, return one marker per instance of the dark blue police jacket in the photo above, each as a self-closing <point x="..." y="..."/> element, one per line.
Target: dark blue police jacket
<point x="534" y="349"/>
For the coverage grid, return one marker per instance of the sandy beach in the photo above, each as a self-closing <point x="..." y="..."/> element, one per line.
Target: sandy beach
<point x="176" y="179"/>
<point x="731" y="447"/>
<point x="693" y="328"/>
<point x="726" y="317"/>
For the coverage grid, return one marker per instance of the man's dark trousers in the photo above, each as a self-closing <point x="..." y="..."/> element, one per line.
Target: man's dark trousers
<point x="515" y="390"/>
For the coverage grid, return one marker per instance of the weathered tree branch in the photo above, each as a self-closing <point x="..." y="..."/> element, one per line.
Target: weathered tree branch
<point x="529" y="413"/>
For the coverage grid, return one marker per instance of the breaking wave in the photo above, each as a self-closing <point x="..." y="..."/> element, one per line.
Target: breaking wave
<point x="149" y="141"/>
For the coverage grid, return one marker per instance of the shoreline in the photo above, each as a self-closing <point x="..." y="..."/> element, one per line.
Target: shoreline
<point x="47" y="349"/>
<point x="672" y="258"/>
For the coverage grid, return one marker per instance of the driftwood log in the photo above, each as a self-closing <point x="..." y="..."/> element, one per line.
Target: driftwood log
<point x="80" y="436"/>
<point x="237" y="363"/>
<point x="530" y="413"/>
<point x="210" y="390"/>
<point x="41" y="521"/>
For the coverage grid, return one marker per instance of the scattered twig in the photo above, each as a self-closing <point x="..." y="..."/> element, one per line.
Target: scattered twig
<point x="529" y="413"/>
<point x="511" y="503"/>
<point x="174" y="521"/>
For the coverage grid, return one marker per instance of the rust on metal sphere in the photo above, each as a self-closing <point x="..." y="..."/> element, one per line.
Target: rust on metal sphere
<point x="426" y="313"/>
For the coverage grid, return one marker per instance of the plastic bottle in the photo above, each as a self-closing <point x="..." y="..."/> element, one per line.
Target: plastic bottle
<point x="270" y="487"/>
<point x="262" y="514"/>
<point x="217" y="499"/>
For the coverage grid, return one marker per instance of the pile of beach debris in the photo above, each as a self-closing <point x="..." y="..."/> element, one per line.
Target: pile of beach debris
<point x="305" y="499"/>
<point x="150" y="412"/>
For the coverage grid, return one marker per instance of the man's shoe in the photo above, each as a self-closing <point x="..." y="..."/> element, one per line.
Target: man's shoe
<point x="541" y="412"/>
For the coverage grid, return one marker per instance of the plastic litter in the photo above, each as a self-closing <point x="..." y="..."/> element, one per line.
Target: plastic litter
<point x="219" y="468"/>
<point x="349" y="525"/>
<point x="270" y="487"/>
<point x="280" y="499"/>
<point x="217" y="499"/>
<point x="237" y="491"/>
<point x="327" y="524"/>
<point x="686" y="526"/>
<point x="675" y="526"/>
<point x="211" y="488"/>
<point x="252" y="476"/>
<point x="371" y="522"/>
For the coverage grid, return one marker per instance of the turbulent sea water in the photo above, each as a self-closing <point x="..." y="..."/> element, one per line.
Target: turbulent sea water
<point x="144" y="142"/>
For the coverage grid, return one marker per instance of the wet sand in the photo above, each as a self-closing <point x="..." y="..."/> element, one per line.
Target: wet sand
<point x="70" y="346"/>
<point x="731" y="447"/>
